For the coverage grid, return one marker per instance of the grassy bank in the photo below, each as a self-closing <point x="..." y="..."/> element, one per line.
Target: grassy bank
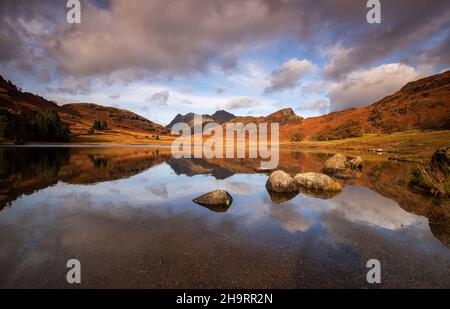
<point x="410" y="145"/>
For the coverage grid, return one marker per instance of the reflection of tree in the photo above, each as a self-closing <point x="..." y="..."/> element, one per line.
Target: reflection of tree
<point x="98" y="162"/>
<point x="26" y="170"/>
<point x="39" y="162"/>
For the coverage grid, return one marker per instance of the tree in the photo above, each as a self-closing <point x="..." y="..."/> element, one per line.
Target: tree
<point x="100" y="125"/>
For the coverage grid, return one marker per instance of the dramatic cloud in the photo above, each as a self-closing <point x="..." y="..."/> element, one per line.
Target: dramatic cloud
<point x="160" y="98"/>
<point x="244" y="102"/>
<point x="405" y="24"/>
<point x="207" y="44"/>
<point x="321" y="105"/>
<point x="361" y="88"/>
<point x="174" y="37"/>
<point x="289" y="74"/>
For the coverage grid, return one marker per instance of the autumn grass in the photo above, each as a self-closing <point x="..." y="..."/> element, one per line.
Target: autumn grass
<point x="410" y="145"/>
<point x="120" y="139"/>
<point x="434" y="183"/>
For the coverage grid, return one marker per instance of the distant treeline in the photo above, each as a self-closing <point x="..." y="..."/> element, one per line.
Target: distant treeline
<point x="29" y="125"/>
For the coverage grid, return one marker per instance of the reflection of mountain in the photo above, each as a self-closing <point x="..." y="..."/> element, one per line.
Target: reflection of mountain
<point x="25" y="170"/>
<point x="192" y="167"/>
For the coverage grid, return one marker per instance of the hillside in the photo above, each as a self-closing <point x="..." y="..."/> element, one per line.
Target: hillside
<point x="81" y="116"/>
<point x="77" y="117"/>
<point x="285" y="117"/>
<point x="423" y="104"/>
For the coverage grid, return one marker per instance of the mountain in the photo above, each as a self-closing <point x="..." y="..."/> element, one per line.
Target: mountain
<point x="218" y="117"/>
<point x="286" y="118"/>
<point x="81" y="116"/>
<point x="78" y="117"/>
<point x="422" y="104"/>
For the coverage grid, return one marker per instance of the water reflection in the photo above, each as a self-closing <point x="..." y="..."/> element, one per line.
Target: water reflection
<point x="128" y="214"/>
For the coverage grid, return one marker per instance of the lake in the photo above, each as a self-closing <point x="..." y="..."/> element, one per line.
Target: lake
<point x="127" y="215"/>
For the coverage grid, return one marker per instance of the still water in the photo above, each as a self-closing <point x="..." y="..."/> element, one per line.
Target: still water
<point x="127" y="215"/>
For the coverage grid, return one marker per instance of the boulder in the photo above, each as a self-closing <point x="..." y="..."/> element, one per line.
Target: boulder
<point x="356" y="163"/>
<point x="218" y="200"/>
<point x="317" y="182"/>
<point x="336" y="163"/>
<point x="281" y="182"/>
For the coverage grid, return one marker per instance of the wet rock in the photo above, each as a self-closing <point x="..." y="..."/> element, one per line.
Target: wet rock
<point x="317" y="182"/>
<point x="440" y="161"/>
<point x="218" y="200"/>
<point x="281" y="182"/>
<point x="336" y="163"/>
<point x="356" y="163"/>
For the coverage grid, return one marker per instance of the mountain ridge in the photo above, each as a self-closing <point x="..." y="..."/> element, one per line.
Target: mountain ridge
<point x="423" y="104"/>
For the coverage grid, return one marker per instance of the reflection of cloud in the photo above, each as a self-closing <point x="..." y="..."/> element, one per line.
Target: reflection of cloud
<point x="242" y="187"/>
<point x="358" y="204"/>
<point x="160" y="190"/>
<point x="290" y="218"/>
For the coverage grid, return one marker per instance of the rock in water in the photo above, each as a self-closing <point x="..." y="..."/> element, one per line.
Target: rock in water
<point x="281" y="182"/>
<point x="336" y="163"/>
<point x="356" y="163"/>
<point x="440" y="161"/>
<point x="218" y="198"/>
<point x="317" y="182"/>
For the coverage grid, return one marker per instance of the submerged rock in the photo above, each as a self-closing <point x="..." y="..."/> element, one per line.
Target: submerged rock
<point x="264" y="170"/>
<point x="356" y="163"/>
<point x="323" y="195"/>
<point x="346" y="174"/>
<point x="281" y="182"/>
<point x="218" y="200"/>
<point x="336" y="163"/>
<point x="317" y="182"/>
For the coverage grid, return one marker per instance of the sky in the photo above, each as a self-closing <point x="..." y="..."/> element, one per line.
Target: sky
<point x="159" y="58"/>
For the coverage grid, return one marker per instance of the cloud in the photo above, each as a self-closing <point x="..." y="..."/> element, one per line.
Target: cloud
<point x="361" y="88"/>
<point x="289" y="74"/>
<point x="320" y="105"/>
<point x="243" y="102"/>
<point x="228" y="64"/>
<point x="170" y="37"/>
<point x="160" y="98"/>
<point x="114" y="96"/>
<point x="220" y="90"/>
<point x="405" y="25"/>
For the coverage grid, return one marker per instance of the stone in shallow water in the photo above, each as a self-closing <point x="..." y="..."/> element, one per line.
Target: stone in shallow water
<point x="281" y="182"/>
<point x="336" y="163"/>
<point x="317" y="182"/>
<point x="356" y="163"/>
<point x="218" y="200"/>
